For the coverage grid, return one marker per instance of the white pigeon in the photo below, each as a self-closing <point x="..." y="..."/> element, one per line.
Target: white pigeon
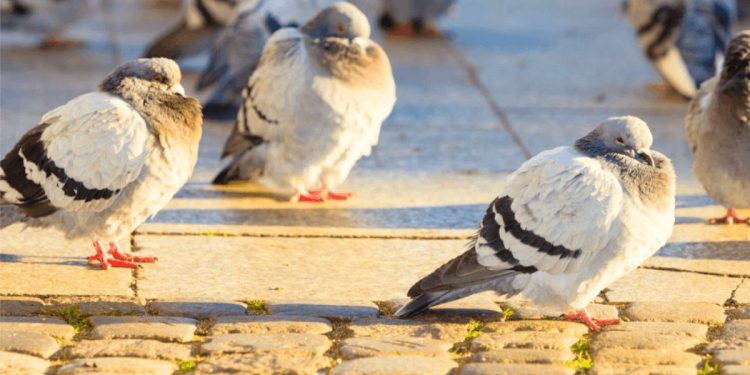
<point x="47" y="18"/>
<point x="101" y="164"/>
<point x="237" y="50"/>
<point x="718" y="132"/>
<point x="313" y="107"/>
<point x="569" y="222"/>
<point x="683" y="39"/>
<point x="195" y="30"/>
<point x="413" y="17"/>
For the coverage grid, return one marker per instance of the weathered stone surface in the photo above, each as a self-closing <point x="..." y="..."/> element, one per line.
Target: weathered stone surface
<point x="32" y="343"/>
<point x="476" y="306"/>
<point x="688" y="312"/>
<point x="49" y="326"/>
<point x="127" y="348"/>
<point x="523" y="340"/>
<point x="196" y="309"/>
<point x="646" y="285"/>
<point x="325" y="309"/>
<point x="742" y="295"/>
<point x="14" y="363"/>
<point x="529" y="356"/>
<point x="287" y="362"/>
<point x="524" y="310"/>
<point x="696" y="330"/>
<point x="374" y="327"/>
<point x="734" y="335"/>
<point x="359" y="347"/>
<point x="20" y="305"/>
<point x="514" y="369"/>
<point x="270" y="324"/>
<point x="642" y="370"/>
<point x="403" y="365"/>
<point x="733" y="357"/>
<point x="550" y="326"/>
<point x="106" y="305"/>
<point x="643" y="357"/>
<point x="143" y="327"/>
<point x="248" y="343"/>
<point x="118" y="365"/>
<point x="744" y="312"/>
<point x="735" y="370"/>
<point x="640" y="340"/>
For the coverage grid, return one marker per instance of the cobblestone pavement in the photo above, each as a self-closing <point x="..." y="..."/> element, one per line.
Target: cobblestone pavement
<point x="251" y="284"/>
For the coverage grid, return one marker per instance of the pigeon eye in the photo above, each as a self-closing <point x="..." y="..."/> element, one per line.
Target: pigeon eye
<point x="340" y="28"/>
<point x="620" y="141"/>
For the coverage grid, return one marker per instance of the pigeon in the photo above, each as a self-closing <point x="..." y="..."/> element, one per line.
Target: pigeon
<point x="413" y="17"/>
<point x="313" y="107"/>
<point x="718" y="132"/>
<point x="236" y="51"/>
<point x="101" y="164"/>
<point x="48" y="18"/>
<point x="683" y="39"/>
<point x="569" y="222"/>
<point x="196" y="29"/>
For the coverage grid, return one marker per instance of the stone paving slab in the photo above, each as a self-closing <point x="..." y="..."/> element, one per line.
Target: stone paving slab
<point x="667" y="286"/>
<point x="331" y="308"/>
<point x="524" y="310"/>
<point x="514" y="369"/>
<point x="270" y="324"/>
<point x="625" y="356"/>
<point x="698" y="331"/>
<point x="541" y="326"/>
<point x="48" y="326"/>
<point x="734" y="335"/>
<point x="374" y="327"/>
<point x="644" y="370"/>
<point x="523" y="340"/>
<point x="742" y="295"/>
<point x="143" y="327"/>
<point x="524" y="356"/>
<point x="641" y="340"/>
<point x="14" y="363"/>
<point x="118" y="365"/>
<point x="360" y="347"/>
<point x="33" y="343"/>
<point x="735" y="370"/>
<point x="695" y="312"/>
<point x="196" y="309"/>
<point x="404" y="365"/>
<point x="127" y="348"/>
<point x="293" y="362"/>
<point x="249" y="343"/>
<point x="733" y="356"/>
<point x="99" y="306"/>
<point x="10" y="305"/>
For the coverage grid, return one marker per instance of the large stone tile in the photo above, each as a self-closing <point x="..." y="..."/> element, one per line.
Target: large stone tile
<point x="288" y="362"/>
<point x="696" y="312"/>
<point x="667" y="286"/>
<point x="281" y="268"/>
<point x="712" y="254"/>
<point x="251" y="343"/>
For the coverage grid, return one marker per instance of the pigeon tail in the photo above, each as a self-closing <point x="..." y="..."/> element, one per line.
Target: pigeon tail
<point x="248" y="165"/>
<point x="420" y="304"/>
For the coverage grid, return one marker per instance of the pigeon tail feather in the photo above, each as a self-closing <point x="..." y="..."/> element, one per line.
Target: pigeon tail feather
<point x="420" y="304"/>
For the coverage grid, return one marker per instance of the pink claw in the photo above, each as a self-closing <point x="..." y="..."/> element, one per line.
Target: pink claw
<point x="730" y="218"/>
<point x="119" y="259"/>
<point x="115" y="252"/>
<point x="593" y="324"/>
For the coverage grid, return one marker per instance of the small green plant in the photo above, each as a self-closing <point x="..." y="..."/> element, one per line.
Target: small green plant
<point x="257" y="307"/>
<point x="473" y="330"/>
<point x="187" y="366"/>
<point x="583" y="361"/>
<point x="508" y="313"/>
<point x="71" y="315"/>
<point x="709" y="368"/>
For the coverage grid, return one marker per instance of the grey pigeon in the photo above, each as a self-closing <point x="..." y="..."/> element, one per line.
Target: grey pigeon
<point x="236" y="51"/>
<point x="718" y="132"/>
<point x="413" y="17"/>
<point x="195" y="30"/>
<point x="101" y="164"/>
<point x="569" y="222"/>
<point x="683" y="39"/>
<point x="47" y="18"/>
<point x="313" y="107"/>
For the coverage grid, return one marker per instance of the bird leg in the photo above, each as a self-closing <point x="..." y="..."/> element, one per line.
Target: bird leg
<point x="106" y="262"/>
<point x="312" y="196"/>
<point x="56" y="42"/>
<point x="326" y="193"/>
<point x="593" y="324"/>
<point x="730" y="218"/>
<point x="403" y="30"/>
<point x="115" y="252"/>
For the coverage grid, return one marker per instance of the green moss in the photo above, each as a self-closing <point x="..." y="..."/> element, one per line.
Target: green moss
<point x="709" y="368"/>
<point x="257" y="307"/>
<point x="72" y="315"/>
<point x="583" y="361"/>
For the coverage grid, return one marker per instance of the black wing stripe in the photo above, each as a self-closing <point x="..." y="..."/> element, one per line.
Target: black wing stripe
<point x="669" y="18"/>
<point x="257" y="111"/>
<point x="490" y="232"/>
<point x="502" y="206"/>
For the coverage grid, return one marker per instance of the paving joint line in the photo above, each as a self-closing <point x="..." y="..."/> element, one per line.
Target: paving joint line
<point x="339" y="236"/>
<point x="731" y="301"/>
<point x="500" y="116"/>
<point x="734" y="276"/>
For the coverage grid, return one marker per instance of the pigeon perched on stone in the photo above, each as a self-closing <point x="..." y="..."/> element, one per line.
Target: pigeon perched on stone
<point x="313" y="107"/>
<point x="718" y="132"/>
<point x="569" y="222"/>
<point x="101" y="164"/>
<point x="195" y="30"/>
<point x="683" y="39"/>
<point x="237" y="50"/>
<point x="48" y="18"/>
<point x="413" y="17"/>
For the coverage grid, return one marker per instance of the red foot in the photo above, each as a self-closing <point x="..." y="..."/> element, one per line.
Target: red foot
<point x="118" y="259"/>
<point x="128" y="257"/>
<point x="432" y="32"/>
<point x="60" y="43"/>
<point x="404" y="30"/>
<point x="314" y="197"/>
<point x="593" y="324"/>
<point x="339" y="196"/>
<point x="730" y="218"/>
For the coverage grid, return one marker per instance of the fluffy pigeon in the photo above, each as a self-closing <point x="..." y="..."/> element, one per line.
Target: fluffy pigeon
<point x="683" y="39"/>
<point x="48" y="18"/>
<point x="413" y="17"/>
<point x="569" y="222"/>
<point x="313" y="107"/>
<point x="236" y="51"/>
<point x="195" y="30"/>
<point x="718" y="132"/>
<point x="101" y="164"/>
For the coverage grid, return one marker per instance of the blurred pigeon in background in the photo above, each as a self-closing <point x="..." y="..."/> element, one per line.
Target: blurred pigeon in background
<point x="569" y="222"/>
<point x="238" y="48"/>
<point x="718" y="132"/>
<point x="47" y="18"/>
<point x="199" y="23"/>
<point x="313" y="107"/>
<point x="413" y="17"/>
<point x="101" y="164"/>
<point x="683" y="39"/>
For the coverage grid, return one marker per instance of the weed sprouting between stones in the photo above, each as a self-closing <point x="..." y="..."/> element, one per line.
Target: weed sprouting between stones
<point x="507" y="313"/>
<point x="187" y="365"/>
<point x="72" y="315"/>
<point x="340" y="331"/>
<point x="473" y="330"/>
<point x="709" y="368"/>
<point x="257" y="307"/>
<point x="583" y="361"/>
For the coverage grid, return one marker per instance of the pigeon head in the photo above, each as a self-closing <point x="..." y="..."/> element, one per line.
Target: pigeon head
<point x="627" y="135"/>
<point x="341" y="20"/>
<point x="159" y="73"/>
<point x="735" y="75"/>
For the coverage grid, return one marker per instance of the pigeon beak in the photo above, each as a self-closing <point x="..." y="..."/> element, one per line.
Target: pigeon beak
<point x="178" y="89"/>
<point x="645" y="156"/>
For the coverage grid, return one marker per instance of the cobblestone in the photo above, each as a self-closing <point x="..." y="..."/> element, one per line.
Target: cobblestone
<point x="647" y="285"/>
<point x="698" y="331"/>
<point x="49" y="326"/>
<point x="523" y="340"/>
<point x="101" y="306"/>
<point x="196" y="309"/>
<point x="404" y="365"/>
<point x="270" y="324"/>
<point x="643" y="370"/>
<point x="695" y="312"/>
<point x="642" y="340"/>
<point x="514" y="369"/>
<point x="452" y="332"/>
<point x="324" y="309"/>
<point x="733" y="357"/>
<point x="521" y="356"/>
<point x="359" y="347"/>
<point x="744" y="312"/>
<point x="735" y="370"/>
<point x="15" y="363"/>
<point x="549" y="326"/>
<point x="143" y="327"/>
<point x="622" y="356"/>
<point x="287" y="362"/>
<point x="127" y="348"/>
<point x="20" y="305"/>
<point x="32" y="343"/>
<point x="523" y="310"/>
<point x="118" y="365"/>
<point x="248" y="343"/>
<point x="734" y="335"/>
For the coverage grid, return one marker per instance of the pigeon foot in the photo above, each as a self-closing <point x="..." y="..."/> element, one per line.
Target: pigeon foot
<point x="402" y="30"/>
<point x="107" y="262"/>
<point x="313" y="197"/>
<point x="338" y="196"/>
<point x="115" y="252"/>
<point x="593" y="324"/>
<point x="730" y="218"/>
